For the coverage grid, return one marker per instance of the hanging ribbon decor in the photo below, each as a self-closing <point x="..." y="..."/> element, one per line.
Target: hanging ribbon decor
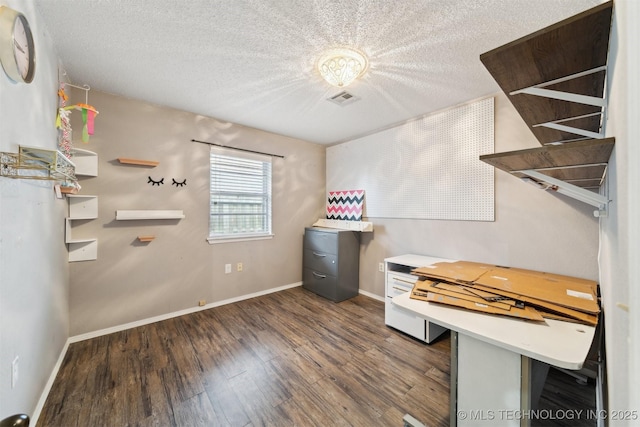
<point x="63" y="124"/>
<point x="88" y="112"/>
<point x="88" y="116"/>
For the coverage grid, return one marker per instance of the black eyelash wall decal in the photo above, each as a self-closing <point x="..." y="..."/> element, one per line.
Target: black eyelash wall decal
<point x="179" y="184"/>
<point x="152" y="182"/>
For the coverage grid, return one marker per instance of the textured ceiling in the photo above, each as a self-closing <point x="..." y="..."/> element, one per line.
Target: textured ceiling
<point x="252" y="62"/>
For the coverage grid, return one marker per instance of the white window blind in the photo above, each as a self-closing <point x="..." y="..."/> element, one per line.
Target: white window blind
<point x="240" y="189"/>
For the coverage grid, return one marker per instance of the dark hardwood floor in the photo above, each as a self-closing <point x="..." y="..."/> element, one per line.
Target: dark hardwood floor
<point x="284" y="359"/>
<point x="290" y="358"/>
<point x="563" y="397"/>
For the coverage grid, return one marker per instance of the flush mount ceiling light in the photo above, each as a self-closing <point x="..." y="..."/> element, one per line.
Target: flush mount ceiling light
<point x="340" y="67"/>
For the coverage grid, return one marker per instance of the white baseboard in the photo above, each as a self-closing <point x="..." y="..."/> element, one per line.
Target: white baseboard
<point x="47" y="388"/>
<point x="166" y="316"/>
<point x="370" y="295"/>
<point x="106" y="331"/>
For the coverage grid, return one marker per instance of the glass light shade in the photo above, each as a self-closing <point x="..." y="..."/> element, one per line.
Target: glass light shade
<point x="340" y="67"/>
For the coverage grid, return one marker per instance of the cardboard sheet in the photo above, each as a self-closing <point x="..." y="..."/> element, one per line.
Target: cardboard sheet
<point x="558" y="277"/>
<point x="462" y="271"/>
<point x="555" y="316"/>
<point x="570" y="294"/>
<point x="455" y="291"/>
<point x="526" y="313"/>
<point x="488" y="296"/>
<point x="575" y="315"/>
<point x="559" y="297"/>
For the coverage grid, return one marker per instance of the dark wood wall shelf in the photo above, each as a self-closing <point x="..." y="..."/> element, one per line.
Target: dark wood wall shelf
<point x="555" y="78"/>
<point x="582" y="163"/>
<point x="569" y="57"/>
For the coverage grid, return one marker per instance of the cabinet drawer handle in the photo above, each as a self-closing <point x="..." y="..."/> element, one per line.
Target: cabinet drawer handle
<point x="320" y="255"/>
<point x="397" y="279"/>
<point x="319" y="276"/>
<point x="400" y="289"/>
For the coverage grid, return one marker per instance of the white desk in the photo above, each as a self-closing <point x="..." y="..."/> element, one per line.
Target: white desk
<point x="398" y="280"/>
<point x="491" y="359"/>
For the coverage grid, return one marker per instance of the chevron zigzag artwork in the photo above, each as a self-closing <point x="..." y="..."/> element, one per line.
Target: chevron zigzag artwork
<point x="345" y="205"/>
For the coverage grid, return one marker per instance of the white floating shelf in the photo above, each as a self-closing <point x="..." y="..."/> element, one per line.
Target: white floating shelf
<point x="80" y="249"/>
<point x="86" y="162"/>
<point x="122" y="215"/>
<point x="362" y="226"/>
<point x="83" y="250"/>
<point x="82" y="206"/>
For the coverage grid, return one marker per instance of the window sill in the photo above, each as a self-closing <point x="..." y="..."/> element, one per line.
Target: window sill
<point x="228" y="239"/>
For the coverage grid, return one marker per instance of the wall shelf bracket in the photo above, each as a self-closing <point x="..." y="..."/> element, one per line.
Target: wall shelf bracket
<point x="571" y="129"/>
<point x="556" y="124"/>
<point x="538" y="90"/>
<point x="563" y="96"/>
<point x="586" y="196"/>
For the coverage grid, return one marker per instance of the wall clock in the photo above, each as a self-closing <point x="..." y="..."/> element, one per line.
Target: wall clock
<point x="17" y="51"/>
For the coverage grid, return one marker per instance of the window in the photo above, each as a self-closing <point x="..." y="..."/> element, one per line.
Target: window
<point x="240" y="202"/>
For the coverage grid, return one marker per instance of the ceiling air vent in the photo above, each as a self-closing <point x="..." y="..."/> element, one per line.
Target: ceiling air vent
<point x="343" y="98"/>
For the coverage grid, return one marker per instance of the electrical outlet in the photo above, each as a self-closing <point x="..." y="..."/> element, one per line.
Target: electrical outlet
<point x="239" y="266"/>
<point x="202" y="303"/>
<point x="381" y="267"/>
<point x="227" y="268"/>
<point x="14" y="372"/>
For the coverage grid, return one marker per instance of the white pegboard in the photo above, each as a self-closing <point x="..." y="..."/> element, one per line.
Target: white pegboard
<point x="428" y="168"/>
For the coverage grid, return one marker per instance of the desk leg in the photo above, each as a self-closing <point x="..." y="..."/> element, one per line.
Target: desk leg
<point x="489" y="384"/>
<point x="525" y="389"/>
<point x="453" y="386"/>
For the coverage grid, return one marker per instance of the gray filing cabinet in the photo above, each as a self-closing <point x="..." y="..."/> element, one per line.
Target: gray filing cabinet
<point x="331" y="262"/>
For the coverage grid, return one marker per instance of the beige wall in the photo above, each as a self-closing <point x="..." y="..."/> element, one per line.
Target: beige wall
<point x="533" y="229"/>
<point x="131" y="281"/>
